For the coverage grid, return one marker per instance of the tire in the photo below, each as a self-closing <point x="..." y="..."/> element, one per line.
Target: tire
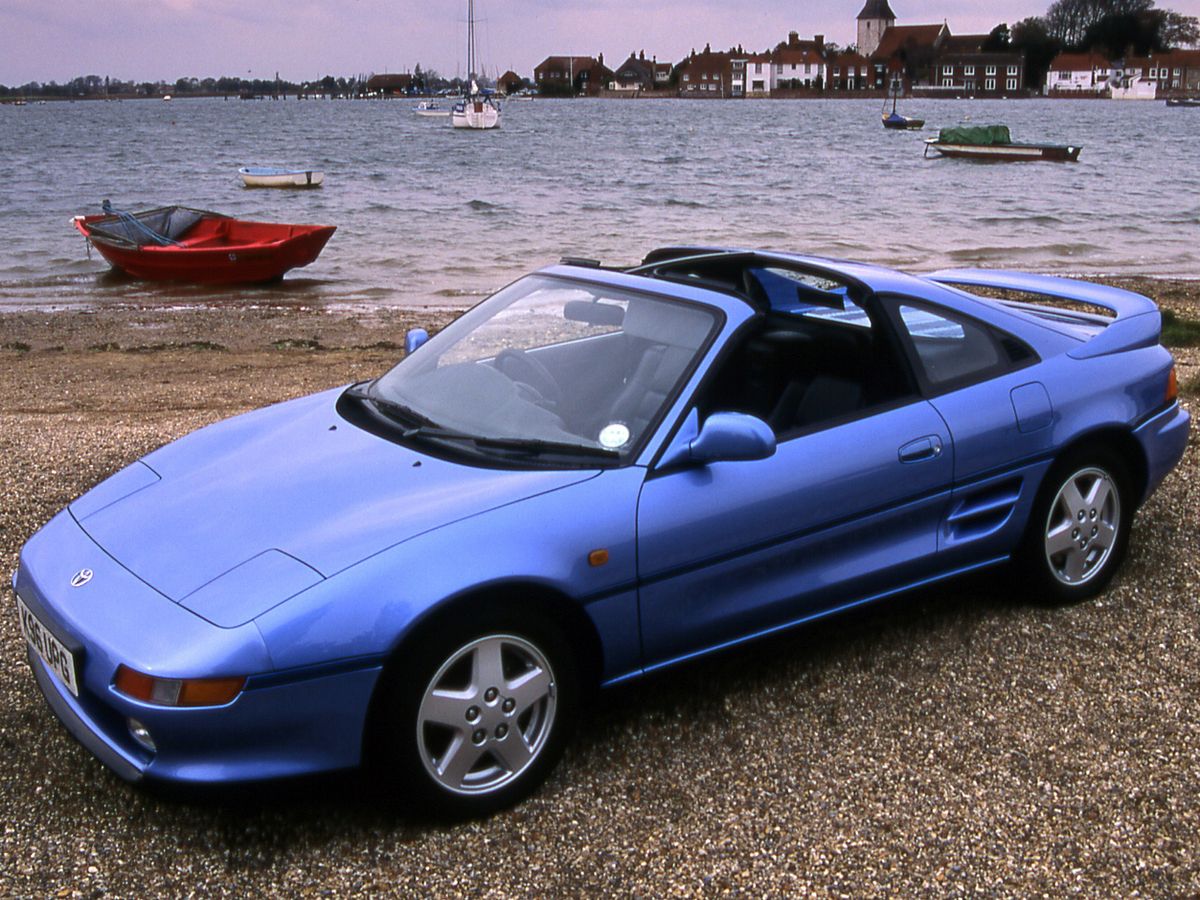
<point x="474" y="713"/>
<point x="1079" y="529"/>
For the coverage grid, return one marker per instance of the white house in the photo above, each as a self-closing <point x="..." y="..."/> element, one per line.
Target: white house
<point x="1077" y="73"/>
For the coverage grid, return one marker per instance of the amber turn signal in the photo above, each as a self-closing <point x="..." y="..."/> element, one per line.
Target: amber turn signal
<point x="177" y="691"/>
<point x="597" y="557"/>
<point x="1172" y="386"/>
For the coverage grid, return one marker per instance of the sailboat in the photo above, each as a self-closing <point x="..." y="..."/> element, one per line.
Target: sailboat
<point x="895" y="120"/>
<point x="477" y="109"/>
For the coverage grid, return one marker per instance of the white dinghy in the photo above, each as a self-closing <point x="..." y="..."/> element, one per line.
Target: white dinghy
<point x="269" y="176"/>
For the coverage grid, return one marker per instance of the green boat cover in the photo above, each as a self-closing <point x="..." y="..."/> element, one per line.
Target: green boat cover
<point x="981" y="135"/>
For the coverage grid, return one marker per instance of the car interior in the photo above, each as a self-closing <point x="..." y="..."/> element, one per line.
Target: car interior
<point x="815" y="356"/>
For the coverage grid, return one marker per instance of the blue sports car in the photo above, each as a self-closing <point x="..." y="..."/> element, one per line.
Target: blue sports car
<point x="593" y="474"/>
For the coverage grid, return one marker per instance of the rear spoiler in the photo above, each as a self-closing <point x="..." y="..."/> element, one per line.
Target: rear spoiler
<point x="1137" y="323"/>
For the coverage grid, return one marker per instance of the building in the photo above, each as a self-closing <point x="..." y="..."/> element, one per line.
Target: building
<point x="640" y="74"/>
<point x="1077" y="73"/>
<point x="758" y="74"/>
<point x="390" y="85"/>
<point x="570" y="75"/>
<point x="847" y="71"/>
<point x="906" y="54"/>
<point x="876" y="18"/>
<point x="510" y="82"/>
<point x="1174" y="71"/>
<point x="963" y="68"/>
<point x="706" y="74"/>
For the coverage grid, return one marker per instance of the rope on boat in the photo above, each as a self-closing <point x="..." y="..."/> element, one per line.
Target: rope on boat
<point x="135" y="225"/>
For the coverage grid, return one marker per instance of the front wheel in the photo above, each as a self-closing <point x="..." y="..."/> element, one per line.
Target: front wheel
<point x="476" y="718"/>
<point x="1079" y="529"/>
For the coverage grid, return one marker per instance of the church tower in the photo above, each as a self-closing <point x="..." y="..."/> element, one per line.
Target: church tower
<point x="876" y="18"/>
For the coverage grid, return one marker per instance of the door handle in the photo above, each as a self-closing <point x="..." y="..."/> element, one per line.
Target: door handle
<point x="921" y="449"/>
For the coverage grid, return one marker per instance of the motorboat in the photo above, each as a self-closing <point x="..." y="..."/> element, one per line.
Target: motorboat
<point x="177" y="243"/>
<point x="271" y="176"/>
<point x="431" y="109"/>
<point x="993" y="143"/>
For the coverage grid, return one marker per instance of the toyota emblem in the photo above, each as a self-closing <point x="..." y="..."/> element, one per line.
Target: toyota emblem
<point x="80" y="578"/>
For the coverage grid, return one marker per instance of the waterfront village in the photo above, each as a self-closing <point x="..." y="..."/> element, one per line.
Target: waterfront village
<point x="919" y="60"/>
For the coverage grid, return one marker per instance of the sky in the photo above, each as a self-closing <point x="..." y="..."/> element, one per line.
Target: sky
<point x="149" y="40"/>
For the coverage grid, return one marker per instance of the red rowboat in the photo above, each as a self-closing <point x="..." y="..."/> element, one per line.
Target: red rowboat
<point x="175" y="243"/>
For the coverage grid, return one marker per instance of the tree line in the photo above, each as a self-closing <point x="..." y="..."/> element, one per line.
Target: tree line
<point x="94" y="86"/>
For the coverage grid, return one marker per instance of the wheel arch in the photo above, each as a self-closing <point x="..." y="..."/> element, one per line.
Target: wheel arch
<point x="530" y="595"/>
<point x="1120" y="441"/>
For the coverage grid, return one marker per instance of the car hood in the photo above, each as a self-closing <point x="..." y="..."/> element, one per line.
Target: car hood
<point x="285" y="495"/>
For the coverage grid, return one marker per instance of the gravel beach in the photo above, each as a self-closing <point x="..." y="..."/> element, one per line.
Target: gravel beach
<point x="950" y="742"/>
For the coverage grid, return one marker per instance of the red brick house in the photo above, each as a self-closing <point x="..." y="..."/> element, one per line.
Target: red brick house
<point x="510" y="82"/>
<point x="706" y="74"/>
<point x="572" y="75"/>
<point x="847" y="71"/>
<point x="640" y="74"/>
<point x="906" y="53"/>
<point x="962" y="68"/>
<point x="1174" y="71"/>
<point x="390" y="85"/>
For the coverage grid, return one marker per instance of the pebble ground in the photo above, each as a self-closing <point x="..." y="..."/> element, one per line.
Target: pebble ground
<point x="952" y="742"/>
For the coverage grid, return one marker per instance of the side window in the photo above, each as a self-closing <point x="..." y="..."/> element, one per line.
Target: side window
<point x="951" y="350"/>
<point x="802" y="372"/>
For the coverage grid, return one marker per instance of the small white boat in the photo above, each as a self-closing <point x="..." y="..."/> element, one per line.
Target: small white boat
<point x="269" y="176"/>
<point x="166" y="98"/>
<point x="430" y="109"/>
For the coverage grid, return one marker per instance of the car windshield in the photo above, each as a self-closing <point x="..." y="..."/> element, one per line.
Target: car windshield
<point x="549" y="367"/>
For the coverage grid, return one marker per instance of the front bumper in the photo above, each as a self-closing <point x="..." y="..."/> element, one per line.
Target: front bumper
<point x="283" y="723"/>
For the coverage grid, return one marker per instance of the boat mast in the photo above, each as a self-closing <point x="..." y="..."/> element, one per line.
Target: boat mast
<point x="470" y="40"/>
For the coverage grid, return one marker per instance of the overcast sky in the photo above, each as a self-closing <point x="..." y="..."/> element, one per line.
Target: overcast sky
<point x="147" y="40"/>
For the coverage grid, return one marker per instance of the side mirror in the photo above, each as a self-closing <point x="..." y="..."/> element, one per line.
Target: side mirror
<point x="724" y="437"/>
<point x="414" y="339"/>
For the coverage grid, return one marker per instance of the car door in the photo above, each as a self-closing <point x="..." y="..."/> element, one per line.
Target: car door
<point x="983" y="383"/>
<point x="844" y="509"/>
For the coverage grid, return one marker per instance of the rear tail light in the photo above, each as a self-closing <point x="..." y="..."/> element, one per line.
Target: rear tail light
<point x="177" y="691"/>
<point x="1172" y="386"/>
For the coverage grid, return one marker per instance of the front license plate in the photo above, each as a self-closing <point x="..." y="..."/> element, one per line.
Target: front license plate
<point x="58" y="659"/>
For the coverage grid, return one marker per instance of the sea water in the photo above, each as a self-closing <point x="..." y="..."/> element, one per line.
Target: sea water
<point x="428" y="214"/>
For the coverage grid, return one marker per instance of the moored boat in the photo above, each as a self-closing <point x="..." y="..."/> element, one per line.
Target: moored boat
<point x="478" y="109"/>
<point x="430" y="109"/>
<point x="993" y="143"/>
<point x="271" y="176"/>
<point x="177" y="243"/>
<point x="894" y="120"/>
<point x="1183" y="101"/>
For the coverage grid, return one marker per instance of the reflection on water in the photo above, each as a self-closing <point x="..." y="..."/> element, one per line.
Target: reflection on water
<point x="427" y="214"/>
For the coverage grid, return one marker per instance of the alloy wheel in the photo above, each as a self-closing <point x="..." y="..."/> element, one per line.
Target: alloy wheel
<point x="486" y="715"/>
<point x="1082" y="526"/>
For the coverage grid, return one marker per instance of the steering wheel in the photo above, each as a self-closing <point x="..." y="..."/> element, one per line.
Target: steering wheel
<point x="531" y="376"/>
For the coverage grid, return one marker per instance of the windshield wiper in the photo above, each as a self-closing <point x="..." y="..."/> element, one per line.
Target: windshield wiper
<point x="414" y="424"/>
<point x="537" y="446"/>
<point x="529" y="446"/>
<point x="393" y="408"/>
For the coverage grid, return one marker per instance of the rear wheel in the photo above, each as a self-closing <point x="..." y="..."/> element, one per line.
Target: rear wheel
<point x="473" y="718"/>
<point x="1079" y="530"/>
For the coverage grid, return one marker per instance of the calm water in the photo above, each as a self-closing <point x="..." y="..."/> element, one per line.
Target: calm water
<point x="430" y="215"/>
